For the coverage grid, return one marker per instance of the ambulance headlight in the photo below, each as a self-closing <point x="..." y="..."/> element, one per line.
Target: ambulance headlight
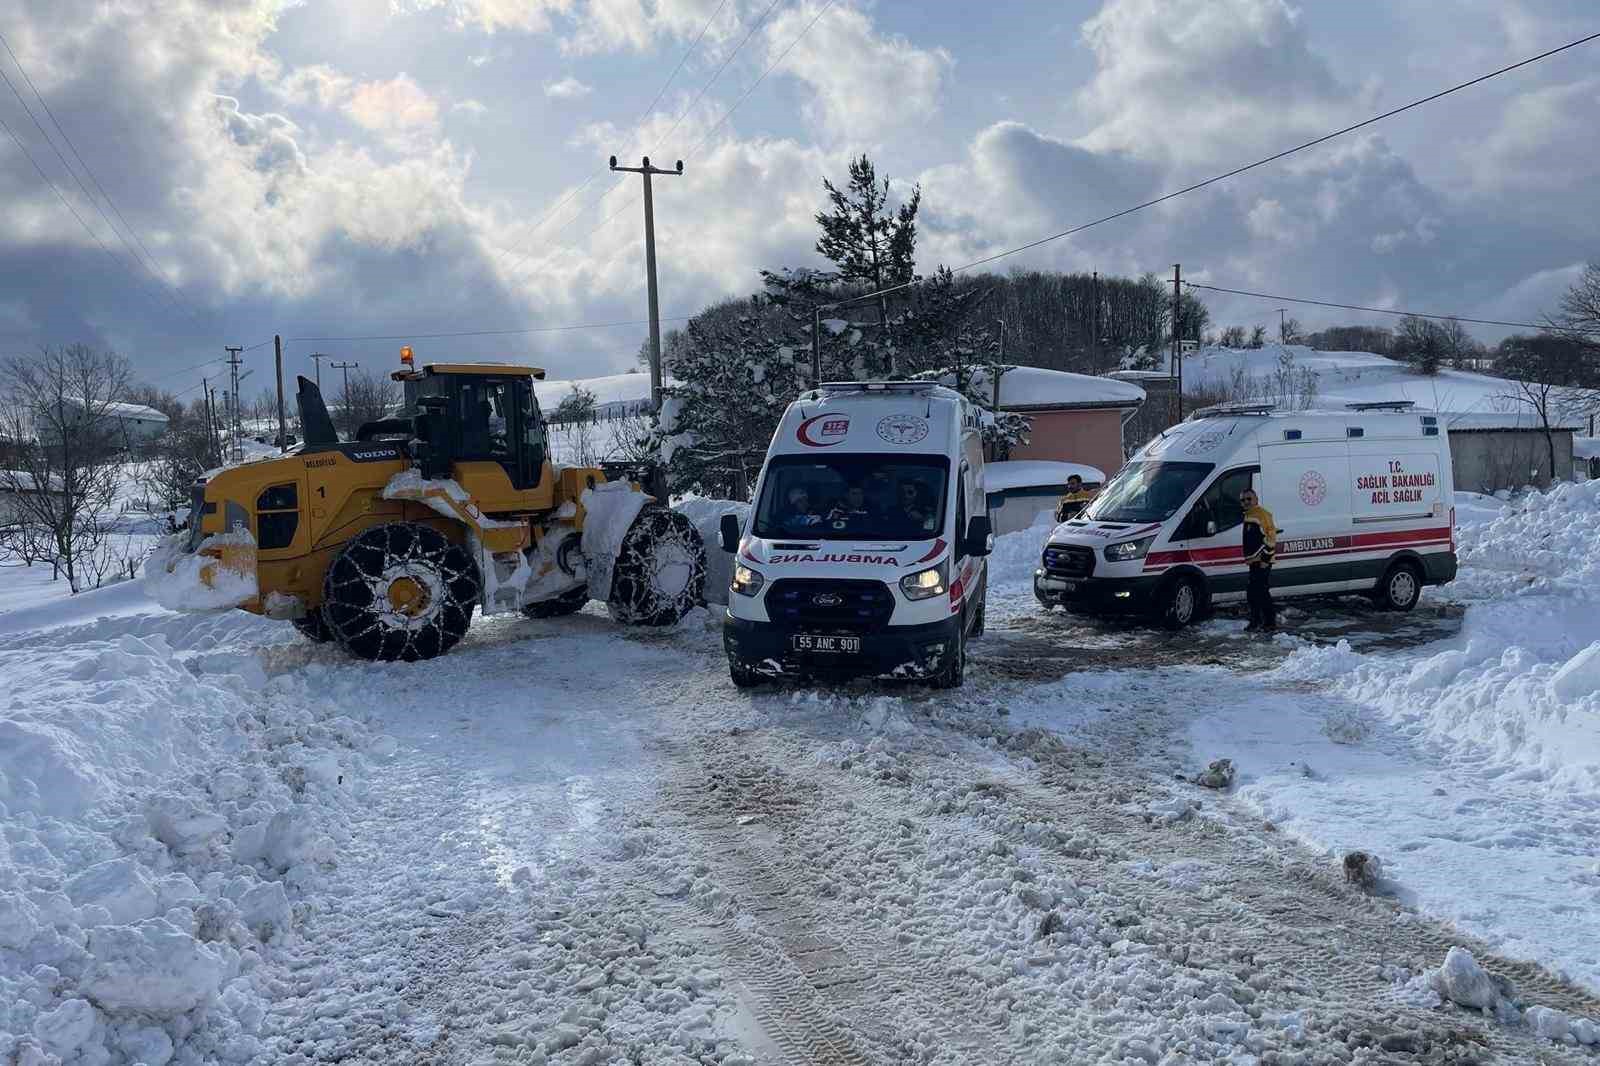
<point x="1129" y="550"/>
<point x="747" y="582"/>
<point x="924" y="583"/>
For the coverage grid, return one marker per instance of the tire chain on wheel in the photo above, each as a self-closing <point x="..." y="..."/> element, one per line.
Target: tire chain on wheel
<point x="348" y="595"/>
<point x="313" y="626"/>
<point x="634" y="598"/>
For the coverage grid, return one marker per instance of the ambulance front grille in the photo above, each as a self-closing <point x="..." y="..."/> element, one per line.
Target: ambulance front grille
<point x="1070" y="561"/>
<point x="856" y="606"/>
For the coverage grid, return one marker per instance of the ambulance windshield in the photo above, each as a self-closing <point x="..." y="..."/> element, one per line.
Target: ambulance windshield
<point x="853" y="497"/>
<point x="1147" y="492"/>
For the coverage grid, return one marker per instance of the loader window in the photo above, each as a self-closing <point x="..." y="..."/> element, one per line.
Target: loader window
<point x="277" y="517"/>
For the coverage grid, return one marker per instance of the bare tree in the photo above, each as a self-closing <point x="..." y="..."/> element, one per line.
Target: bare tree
<point x="1291" y="332"/>
<point x="1258" y="337"/>
<point x="1420" y="342"/>
<point x="1553" y="377"/>
<point x="1580" y="307"/>
<point x="58" y="411"/>
<point x="369" y="397"/>
<point x="1233" y="337"/>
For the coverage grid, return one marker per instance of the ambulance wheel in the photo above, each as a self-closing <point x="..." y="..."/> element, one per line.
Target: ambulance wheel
<point x="955" y="671"/>
<point x="313" y="626"/>
<point x="1181" y="604"/>
<point x="557" y="606"/>
<point x="400" y="592"/>
<point x="743" y="676"/>
<point x="660" y="574"/>
<point x="1400" y="588"/>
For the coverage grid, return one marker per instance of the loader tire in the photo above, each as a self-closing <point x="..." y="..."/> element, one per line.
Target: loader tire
<point x="400" y="592"/>
<point x="660" y="573"/>
<point x="313" y="626"/>
<point x="556" y="606"/>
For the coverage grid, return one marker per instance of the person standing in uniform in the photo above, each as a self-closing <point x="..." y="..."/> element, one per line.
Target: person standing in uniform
<point x="1260" y="540"/>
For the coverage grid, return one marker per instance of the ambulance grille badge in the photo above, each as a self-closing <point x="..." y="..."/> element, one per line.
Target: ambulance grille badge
<point x="827" y="599"/>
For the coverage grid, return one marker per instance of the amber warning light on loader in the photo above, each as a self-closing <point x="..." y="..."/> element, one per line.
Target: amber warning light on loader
<point x="405" y="355"/>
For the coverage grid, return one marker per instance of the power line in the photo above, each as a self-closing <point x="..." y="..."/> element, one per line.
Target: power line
<point x="637" y="126"/>
<point x="480" y="332"/>
<point x="714" y="127"/>
<point x="1389" y="311"/>
<point x="1250" y="166"/>
<point x="134" y="255"/>
<point x="87" y="170"/>
<point x="67" y="203"/>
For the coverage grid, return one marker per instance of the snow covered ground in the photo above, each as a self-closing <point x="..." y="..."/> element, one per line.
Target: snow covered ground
<point x="1362" y="377"/>
<point x="568" y="842"/>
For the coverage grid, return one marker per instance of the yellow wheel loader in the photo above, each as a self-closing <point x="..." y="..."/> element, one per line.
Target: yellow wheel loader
<point x="386" y="543"/>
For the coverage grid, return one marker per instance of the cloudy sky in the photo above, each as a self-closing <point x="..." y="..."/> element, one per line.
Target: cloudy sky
<point x="343" y="168"/>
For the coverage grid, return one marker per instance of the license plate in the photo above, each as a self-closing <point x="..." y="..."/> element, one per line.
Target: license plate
<point x="837" y="645"/>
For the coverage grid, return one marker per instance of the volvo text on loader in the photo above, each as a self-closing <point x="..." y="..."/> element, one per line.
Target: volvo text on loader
<point x="386" y="543"/>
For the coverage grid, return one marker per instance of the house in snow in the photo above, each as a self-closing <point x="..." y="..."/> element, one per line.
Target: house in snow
<point x="1077" y="418"/>
<point x="15" y="488"/>
<point x="125" y="425"/>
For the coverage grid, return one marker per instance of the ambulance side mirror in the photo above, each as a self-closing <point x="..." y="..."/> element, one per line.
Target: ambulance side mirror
<point x="980" y="535"/>
<point x="1211" y="528"/>
<point x="728" y="532"/>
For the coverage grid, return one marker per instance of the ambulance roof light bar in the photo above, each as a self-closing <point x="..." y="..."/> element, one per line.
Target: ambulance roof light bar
<point x="1233" y="409"/>
<point x="1383" y="405"/>
<point x="877" y="386"/>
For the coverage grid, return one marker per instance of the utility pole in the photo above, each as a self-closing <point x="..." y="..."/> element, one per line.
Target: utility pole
<point x="659" y="486"/>
<point x="344" y="400"/>
<point x="283" y="428"/>
<point x="1177" y="345"/>
<point x="236" y="448"/>
<point x="211" y="422"/>
<point x="316" y="360"/>
<point x="1283" y="329"/>
<point x="998" y="364"/>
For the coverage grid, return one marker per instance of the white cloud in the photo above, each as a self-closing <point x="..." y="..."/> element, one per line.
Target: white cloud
<point x="863" y="83"/>
<point x="475" y="108"/>
<point x="1199" y="80"/>
<point x="393" y="106"/>
<point x="492" y="16"/>
<point x="568" y="88"/>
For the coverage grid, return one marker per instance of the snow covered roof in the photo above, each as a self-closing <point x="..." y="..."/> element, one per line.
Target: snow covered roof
<point x="1035" y="473"/>
<point x="1031" y="388"/>
<point x="1467" y="422"/>
<point x="135" y="410"/>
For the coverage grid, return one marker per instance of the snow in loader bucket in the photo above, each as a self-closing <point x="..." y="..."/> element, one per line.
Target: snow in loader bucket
<point x="218" y="575"/>
<point x="645" y="561"/>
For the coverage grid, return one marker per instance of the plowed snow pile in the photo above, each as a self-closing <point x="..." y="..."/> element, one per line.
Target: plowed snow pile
<point x="1519" y="690"/>
<point x="161" y="808"/>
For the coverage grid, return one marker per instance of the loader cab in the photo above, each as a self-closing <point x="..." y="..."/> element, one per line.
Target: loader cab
<point x="477" y="412"/>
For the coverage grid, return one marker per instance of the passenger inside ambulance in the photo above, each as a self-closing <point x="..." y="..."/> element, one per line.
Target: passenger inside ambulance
<point x="852" y="497"/>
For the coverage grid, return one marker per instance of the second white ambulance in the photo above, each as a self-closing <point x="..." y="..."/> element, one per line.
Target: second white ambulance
<point x="865" y="552"/>
<point x="1362" y="499"/>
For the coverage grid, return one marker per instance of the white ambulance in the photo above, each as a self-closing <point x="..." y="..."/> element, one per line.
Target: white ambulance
<point x="1362" y="499"/>
<point x="865" y="552"/>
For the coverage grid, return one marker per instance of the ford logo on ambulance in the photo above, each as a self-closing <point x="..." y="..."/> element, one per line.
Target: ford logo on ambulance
<point x="827" y="599"/>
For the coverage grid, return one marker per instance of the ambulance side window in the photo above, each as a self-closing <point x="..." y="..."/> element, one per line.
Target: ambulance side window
<point x="1219" y="504"/>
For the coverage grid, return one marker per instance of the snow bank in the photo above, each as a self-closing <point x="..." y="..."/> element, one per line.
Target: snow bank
<point x="172" y="575"/>
<point x="1035" y="473"/>
<point x="1519" y="690"/>
<point x="163" y="805"/>
<point x="706" y="514"/>
<point x="610" y="509"/>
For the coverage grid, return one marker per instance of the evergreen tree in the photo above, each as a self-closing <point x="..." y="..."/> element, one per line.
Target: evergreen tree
<point x="870" y="241"/>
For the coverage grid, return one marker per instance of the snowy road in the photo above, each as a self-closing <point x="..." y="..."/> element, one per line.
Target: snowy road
<point x="589" y="847"/>
<point x="571" y="843"/>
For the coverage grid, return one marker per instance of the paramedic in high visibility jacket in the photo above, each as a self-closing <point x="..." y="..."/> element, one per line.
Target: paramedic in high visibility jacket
<point x="1260" y="539"/>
